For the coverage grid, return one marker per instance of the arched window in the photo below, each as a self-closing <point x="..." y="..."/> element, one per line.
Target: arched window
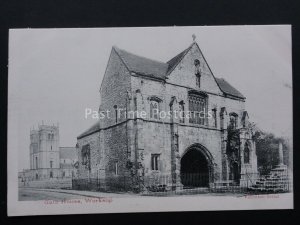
<point x="246" y="153"/>
<point x="154" y="107"/>
<point x="181" y="112"/>
<point x="154" y="110"/>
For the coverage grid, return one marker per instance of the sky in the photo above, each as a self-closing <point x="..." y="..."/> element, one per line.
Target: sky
<point x="55" y="74"/>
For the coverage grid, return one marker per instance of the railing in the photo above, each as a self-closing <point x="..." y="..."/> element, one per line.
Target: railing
<point x="188" y="183"/>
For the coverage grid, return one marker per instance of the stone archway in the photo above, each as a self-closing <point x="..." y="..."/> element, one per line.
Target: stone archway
<point x="196" y="168"/>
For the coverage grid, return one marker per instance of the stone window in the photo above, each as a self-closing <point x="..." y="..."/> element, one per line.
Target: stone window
<point x="51" y="136"/>
<point x="116" y="168"/>
<point x="197" y="72"/>
<point x="214" y="112"/>
<point x="51" y="174"/>
<point x="85" y="156"/>
<point x="51" y="164"/>
<point x="154" y="107"/>
<point x="181" y="112"/>
<point x="155" y="161"/>
<point x="246" y="153"/>
<point x="116" y="113"/>
<point x="197" y="108"/>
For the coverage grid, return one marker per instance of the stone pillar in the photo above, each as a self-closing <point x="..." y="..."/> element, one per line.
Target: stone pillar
<point x="223" y="127"/>
<point x="280" y="151"/>
<point x="175" y="157"/>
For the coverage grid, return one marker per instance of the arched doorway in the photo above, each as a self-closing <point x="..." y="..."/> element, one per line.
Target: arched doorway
<point x="195" y="170"/>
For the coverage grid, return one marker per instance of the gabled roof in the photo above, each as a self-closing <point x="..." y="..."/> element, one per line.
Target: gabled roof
<point x="228" y="89"/>
<point x="175" y="60"/>
<point x="156" y="69"/>
<point x="68" y="153"/>
<point x="142" y="65"/>
<point x="92" y="129"/>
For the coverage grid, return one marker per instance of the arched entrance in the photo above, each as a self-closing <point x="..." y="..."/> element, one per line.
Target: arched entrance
<point x="196" y="167"/>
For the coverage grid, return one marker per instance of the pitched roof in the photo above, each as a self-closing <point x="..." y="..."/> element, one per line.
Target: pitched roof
<point x="68" y="153"/>
<point x="92" y="129"/>
<point x="172" y="63"/>
<point x="228" y="89"/>
<point x="152" y="68"/>
<point x="142" y="65"/>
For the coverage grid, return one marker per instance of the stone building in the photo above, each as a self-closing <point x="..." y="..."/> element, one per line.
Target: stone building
<point x="156" y="141"/>
<point x="47" y="159"/>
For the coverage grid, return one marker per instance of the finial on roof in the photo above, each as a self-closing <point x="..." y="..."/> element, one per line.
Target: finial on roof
<point x="194" y="37"/>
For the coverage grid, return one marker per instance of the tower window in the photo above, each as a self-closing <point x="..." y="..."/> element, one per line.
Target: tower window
<point x="51" y="164"/>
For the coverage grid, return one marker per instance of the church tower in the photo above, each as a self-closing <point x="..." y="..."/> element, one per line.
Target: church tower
<point x="44" y="150"/>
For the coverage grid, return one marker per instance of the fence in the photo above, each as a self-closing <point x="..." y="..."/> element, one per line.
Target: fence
<point x="53" y="183"/>
<point x="114" y="184"/>
<point x="193" y="183"/>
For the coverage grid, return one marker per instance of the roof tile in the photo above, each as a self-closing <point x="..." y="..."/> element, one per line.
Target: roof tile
<point x="228" y="89"/>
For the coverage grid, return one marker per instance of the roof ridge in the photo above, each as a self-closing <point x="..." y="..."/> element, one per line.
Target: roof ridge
<point x="173" y="62"/>
<point x="134" y="54"/>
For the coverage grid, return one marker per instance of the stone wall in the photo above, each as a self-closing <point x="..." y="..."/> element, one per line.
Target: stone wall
<point x="95" y="155"/>
<point x="113" y="91"/>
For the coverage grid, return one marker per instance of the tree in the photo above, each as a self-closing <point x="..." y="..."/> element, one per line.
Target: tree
<point x="267" y="150"/>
